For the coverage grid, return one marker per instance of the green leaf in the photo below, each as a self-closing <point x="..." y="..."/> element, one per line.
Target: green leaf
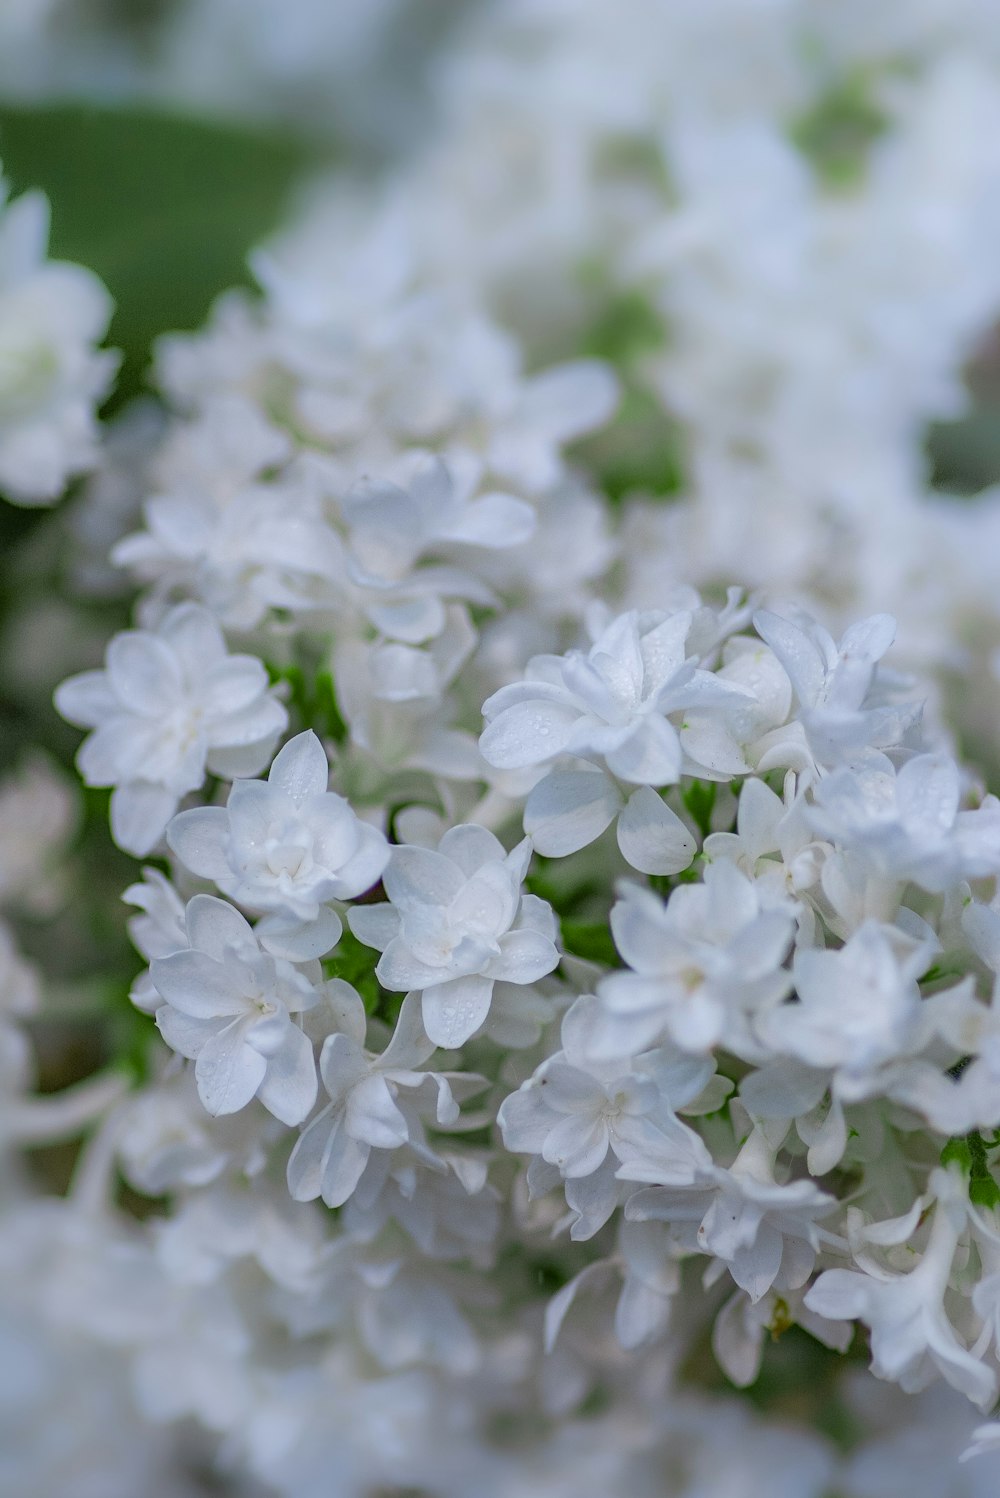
<point x="163" y="208"/>
<point x="313" y="699"/>
<point x="957" y="1152"/>
<point x="355" y="964"/>
<point x="970" y="1154"/>
<point x="837" y="133"/>
<point x="984" y="1191"/>
<point x="591" y="941"/>
<point x="699" y="799"/>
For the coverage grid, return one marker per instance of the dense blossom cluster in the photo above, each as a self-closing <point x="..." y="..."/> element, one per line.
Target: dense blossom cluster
<point x="570" y="940"/>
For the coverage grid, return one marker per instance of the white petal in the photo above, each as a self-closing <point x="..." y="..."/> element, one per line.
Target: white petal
<point x="289" y="1087"/>
<point x="372" y="1115"/>
<point x="568" y="399"/>
<point x="454" y="1011"/>
<point x="86" y="699"/>
<point x="228" y="1072"/>
<point x="344" y="1167"/>
<point x="300" y="769"/>
<point x="525" y="956"/>
<point x="217" y="928"/>
<point x="139" y="815"/>
<point x="496" y="521"/>
<point x="576" y="1144"/>
<point x="569" y="809"/>
<point x="471" y="846"/>
<point x="375" y="925"/>
<point x="305" y="1165"/>
<point x="198" y="985"/>
<point x="651" y="755"/>
<point x="143" y="673"/>
<point x="194" y="635"/>
<point x="527" y="734"/>
<point x="525" y="1120"/>
<point x="200" y="838"/>
<point x="653" y="839"/>
<point x="299" y="941"/>
<point x="410" y="1045"/>
<point x="419" y="876"/>
<point x="363" y="870"/>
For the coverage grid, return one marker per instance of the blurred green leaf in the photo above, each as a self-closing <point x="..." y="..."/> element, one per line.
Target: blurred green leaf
<point x="965" y="454"/>
<point x="839" y="130"/>
<point x="163" y="208"/>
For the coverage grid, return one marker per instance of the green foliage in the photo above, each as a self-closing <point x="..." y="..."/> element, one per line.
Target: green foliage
<point x="957" y="1152"/>
<point x="591" y="940"/>
<point x="838" y="131"/>
<point x="699" y="799"/>
<point x="163" y="208"/>
<point x="970" y="1155"/>
<point x="640" y="449"/>
<point x="965" y="455"/>
<point x="355" y="964"/>
<point x="627" y="327"/>
<point x="562" y="885"/>
<point x="313" y="699"/>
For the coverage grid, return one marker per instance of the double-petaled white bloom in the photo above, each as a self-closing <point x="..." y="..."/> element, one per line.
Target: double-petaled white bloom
<point x="457" y="923"/>
<point x="376" y="1102"/>
<point x="170" y="705"/>
<point x="286" y="845"/>
<point x="912" y="1337"/>
<point x="407" y="547"/>
<point x="581" y="1116"/>
<point x="234" y="522"/>
<point x="228" y="1004"/>
<point x="576" y="1108"/>
<point x="774" y="844"/>
<point x="765" y="1233"/>
<point x="841" y="710"/>
<point x="610" y="705"/>
<point x="699" y="964"/>
<point x="907" y="824"/>
<point x="858" y="1008"/>
<point x="52" y="375"/>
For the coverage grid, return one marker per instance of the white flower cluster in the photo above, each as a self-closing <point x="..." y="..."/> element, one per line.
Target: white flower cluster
<point x="52" y="375"/>
<point x="786" y="1068"/>
<point x="608" y="967"/>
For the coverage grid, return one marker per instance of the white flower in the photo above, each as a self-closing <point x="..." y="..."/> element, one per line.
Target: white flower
<point x="841" y="714"/>
<point x="286" y="844"/>
<point x="458" y="923"/>
<point x="52" y="376"/>
<point x="170" y="705"/>
<point x="764" y="1233"/>
<point x="912" y="1338"/>
<point x="158" y="931"/>
<point x="367" y="1109"/>
<point x="39" y="812"/>
<point x="609" y="704"/>
<point x="228" y="1004"/>
<point x="698" y="963"/>
<point x="723" y="741"/>
<point x="575" y="1108"/>
<point x="392" y="530"/>
<point x="907" y="824"/>
<point x="858" y="1007"/>
<point x="235" y="523"/>
<point x="765" y="826"/>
